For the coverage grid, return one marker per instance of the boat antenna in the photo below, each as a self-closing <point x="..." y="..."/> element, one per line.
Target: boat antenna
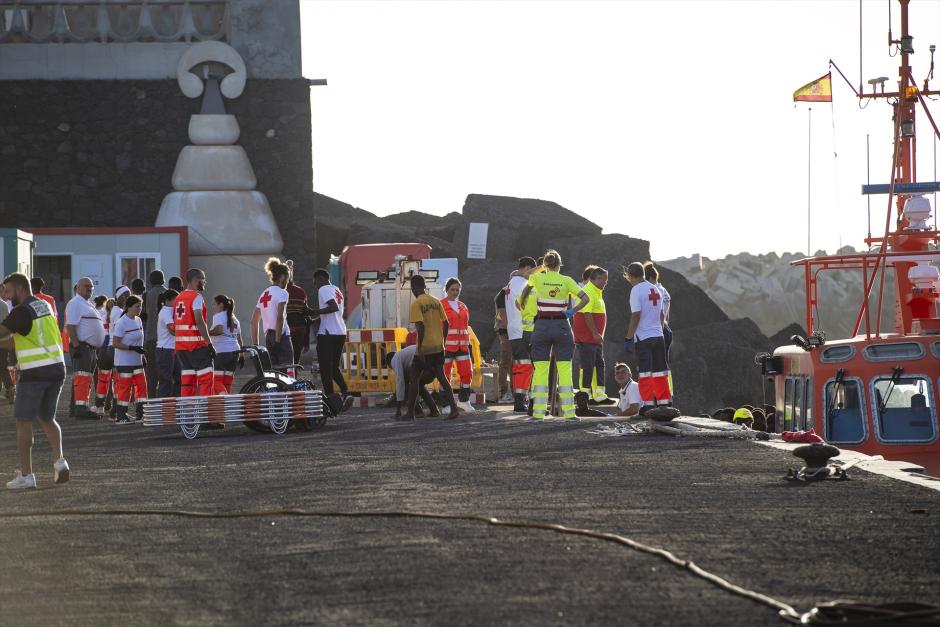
<point x="868" y="170"/>
<point x="809" y="176"/>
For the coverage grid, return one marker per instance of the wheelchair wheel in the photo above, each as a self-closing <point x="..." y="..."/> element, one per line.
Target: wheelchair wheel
<point x="262" y="385"/>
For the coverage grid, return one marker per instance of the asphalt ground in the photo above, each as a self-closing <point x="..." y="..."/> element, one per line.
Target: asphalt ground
<point x="722" y="504"/>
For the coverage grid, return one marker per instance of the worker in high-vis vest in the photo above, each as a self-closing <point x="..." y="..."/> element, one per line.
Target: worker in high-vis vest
<point x="552" y="332"/>
<point x="193" y="344"/>
<point x="32" y="332"/>
<point x="457" y="342"/>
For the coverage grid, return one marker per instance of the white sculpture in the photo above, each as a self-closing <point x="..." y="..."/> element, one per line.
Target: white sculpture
<point x="214" y="183"/>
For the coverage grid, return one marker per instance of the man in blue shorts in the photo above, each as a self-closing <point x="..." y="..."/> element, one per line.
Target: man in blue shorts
<point x="32" y="332"/>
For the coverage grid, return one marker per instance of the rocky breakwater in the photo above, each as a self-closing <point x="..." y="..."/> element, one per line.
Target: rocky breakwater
<point x="712" y="356"/>
<point x="771" y="292"/>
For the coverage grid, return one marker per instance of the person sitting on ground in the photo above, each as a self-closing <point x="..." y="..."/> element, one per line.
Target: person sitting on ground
<point x="401" y="363"/>
<point x="630" y="401"/>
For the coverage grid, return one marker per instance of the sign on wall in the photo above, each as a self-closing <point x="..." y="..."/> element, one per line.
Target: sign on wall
<point x="476" y="242"/>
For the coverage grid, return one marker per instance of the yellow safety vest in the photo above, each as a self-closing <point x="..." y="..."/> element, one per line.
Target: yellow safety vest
<point x="43" y="345"/>
<point x="551" y="291"/>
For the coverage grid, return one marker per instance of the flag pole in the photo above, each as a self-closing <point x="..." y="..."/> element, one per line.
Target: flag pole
<point x="809" y="176"/>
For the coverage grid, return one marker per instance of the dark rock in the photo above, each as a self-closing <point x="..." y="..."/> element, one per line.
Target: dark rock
<point x="782" y="337"/>
<point x="64" y="148"/>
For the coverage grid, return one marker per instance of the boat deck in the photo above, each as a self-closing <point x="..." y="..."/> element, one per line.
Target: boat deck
<point x="721" y="503"/>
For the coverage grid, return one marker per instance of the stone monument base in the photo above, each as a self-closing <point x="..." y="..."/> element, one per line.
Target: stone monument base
<point x="241" y="277"/>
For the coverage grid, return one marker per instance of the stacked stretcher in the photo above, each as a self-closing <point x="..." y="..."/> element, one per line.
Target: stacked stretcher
<point x="274" y="410"/>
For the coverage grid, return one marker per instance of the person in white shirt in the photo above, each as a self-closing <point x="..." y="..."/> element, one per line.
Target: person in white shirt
<point x="645" y="334"/>
<point x="127" y="335"/>
<point x="271" y="312"/>
<point x="226" y="335"/>
<point x="652" y="276"/>
<point x="86" y="335"/>
<point x="169" y="369"/>
<point x="331" y="337"/>
<point x="400" y="362"/>
<point x="630" y="401"/>
<point x="521" y="361"/>
<point x="106" y="373"/>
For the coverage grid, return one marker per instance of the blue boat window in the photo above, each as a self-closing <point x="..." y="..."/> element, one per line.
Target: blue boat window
<point x="835" y="354"/>
<point x="904" y="409"/>
<point x="788" y="406"/>
<point x="845" y="414"/>
<point x="935" y="349"/>
<point x="899" y="350"/>
<point x="808" y="405"/>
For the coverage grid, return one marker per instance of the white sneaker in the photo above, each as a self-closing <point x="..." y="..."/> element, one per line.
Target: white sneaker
<point x="61" y="470"/>
<point x="466" y="406"/>
<point x="19" y="481"/>
<point x="506" y="398"/>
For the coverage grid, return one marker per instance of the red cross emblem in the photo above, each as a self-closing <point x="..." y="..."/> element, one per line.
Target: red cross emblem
<point x="654" y="296"/>
<point x="339" y="297"/>
<point x="265" y="299"/>
<point x="180" y="310"/>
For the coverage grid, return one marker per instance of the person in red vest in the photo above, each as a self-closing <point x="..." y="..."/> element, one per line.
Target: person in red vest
<point x="193" y="345"/>
<point x="37" y="284"/>
<point x="457" y="342"/>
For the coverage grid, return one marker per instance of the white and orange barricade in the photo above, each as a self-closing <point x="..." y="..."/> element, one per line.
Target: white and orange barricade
<point x="274" y="409"/>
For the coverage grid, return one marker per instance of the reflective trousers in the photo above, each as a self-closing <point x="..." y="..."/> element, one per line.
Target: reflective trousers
<point x="84" y="368"/>
<point x="552" y="334"/>
<point x="464" y="371"/>
<point x="521" y="369"/>
<point x="653" y="371"/>
<point x="130" y="379"/>
<point x="105" y="370"/>
<point x="223" y="373"/>
<point x="196" y="377"/>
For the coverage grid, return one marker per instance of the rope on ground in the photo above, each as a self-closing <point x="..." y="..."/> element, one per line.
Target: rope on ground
<point x="842" y="613"/>
<point x="784" y="609"/>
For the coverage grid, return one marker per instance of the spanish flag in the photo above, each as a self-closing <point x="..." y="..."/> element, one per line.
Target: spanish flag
<point x="820" y="90"/>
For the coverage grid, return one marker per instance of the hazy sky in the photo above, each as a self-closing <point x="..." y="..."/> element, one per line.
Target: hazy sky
<point x="669" y="121"/>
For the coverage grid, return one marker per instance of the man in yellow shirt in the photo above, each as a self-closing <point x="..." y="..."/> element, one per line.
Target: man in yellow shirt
<point x="431" y="325"/>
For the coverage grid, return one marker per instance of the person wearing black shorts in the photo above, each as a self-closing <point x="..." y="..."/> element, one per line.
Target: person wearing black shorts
<point x="32" y="332"/>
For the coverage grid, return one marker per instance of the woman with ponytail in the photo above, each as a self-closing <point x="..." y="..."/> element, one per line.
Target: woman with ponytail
<point x="271" y="313"/>
<point x="552" y="333"/>
<point x="226" y="335"/>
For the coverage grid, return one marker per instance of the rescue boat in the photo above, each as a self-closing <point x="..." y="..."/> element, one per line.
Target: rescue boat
<point x="876" y="392"/>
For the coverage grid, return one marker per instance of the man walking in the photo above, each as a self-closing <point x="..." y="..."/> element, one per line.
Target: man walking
<point x="151" y="315"/>
<point x="430" y="322"/>
<point x="31" y="330"/>
<point x="85" y="331"/>
<point x="331" y="336"/>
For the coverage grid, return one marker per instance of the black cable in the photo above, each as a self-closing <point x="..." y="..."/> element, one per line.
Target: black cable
<point x="782" y="608"/>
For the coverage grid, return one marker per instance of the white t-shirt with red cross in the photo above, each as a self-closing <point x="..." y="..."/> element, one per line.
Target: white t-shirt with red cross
<point x="331" y="323"/>
<point x="648" y="300"/>
<point x="267" y="304"/>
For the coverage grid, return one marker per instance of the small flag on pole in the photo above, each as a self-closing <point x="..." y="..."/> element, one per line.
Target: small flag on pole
<point x="820" y="90"/>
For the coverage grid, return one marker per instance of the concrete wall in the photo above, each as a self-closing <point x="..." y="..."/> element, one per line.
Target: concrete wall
<point x="102" y="153"/>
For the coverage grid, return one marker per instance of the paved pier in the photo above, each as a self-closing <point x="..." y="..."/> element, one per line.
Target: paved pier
<point x="719" y="503"/>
